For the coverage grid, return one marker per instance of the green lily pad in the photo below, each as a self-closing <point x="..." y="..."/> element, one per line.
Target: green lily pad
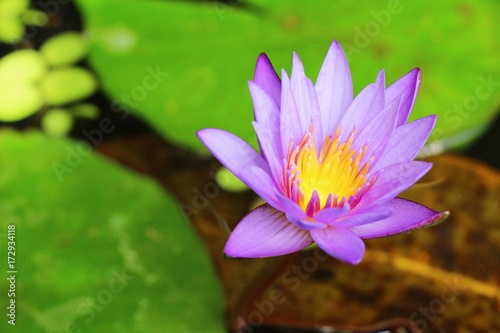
<point x="98" y="248"/>
<point x="209" y="51"/>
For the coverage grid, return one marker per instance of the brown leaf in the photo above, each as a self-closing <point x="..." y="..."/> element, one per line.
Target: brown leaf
<point x="445" y="278"/>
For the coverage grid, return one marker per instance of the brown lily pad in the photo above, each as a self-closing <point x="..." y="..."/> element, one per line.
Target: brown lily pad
<point x="443" y="278"/>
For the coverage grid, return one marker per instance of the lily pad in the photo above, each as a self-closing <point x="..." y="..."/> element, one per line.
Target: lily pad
<point x="209" y="51"/>
<point x="98" y="248"/>
<point x="440" y="278"/>
<point x="401" y="277"/>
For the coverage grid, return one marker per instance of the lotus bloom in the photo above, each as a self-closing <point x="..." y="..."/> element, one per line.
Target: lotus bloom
<point x="330" y="166"/>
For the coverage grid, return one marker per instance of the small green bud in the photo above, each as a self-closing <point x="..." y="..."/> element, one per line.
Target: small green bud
<point x="57" y="123"/>
<point x="228" y="181"/>
<point x="85" y="110"/>
<point x="13" y="8"/>
<point x="11" y="29"/>
<point x="22" y="66"/>
<point x="65" y="85"/>
<point x="19" y="100"/>
<point x="35" y="17"/>
<point x="65" y="49"/>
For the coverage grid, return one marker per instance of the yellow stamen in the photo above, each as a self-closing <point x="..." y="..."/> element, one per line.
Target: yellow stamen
<point x="335" y="171"/>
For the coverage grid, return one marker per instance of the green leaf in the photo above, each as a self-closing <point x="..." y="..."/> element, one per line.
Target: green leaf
<point x="98" y="248"/>
<point x="209" y="51"/>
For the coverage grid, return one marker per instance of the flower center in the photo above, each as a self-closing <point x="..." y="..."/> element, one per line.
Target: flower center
<point x="334" y="174"/>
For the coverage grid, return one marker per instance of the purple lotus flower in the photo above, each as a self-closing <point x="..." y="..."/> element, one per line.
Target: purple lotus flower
<point x="330" y="167"/>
